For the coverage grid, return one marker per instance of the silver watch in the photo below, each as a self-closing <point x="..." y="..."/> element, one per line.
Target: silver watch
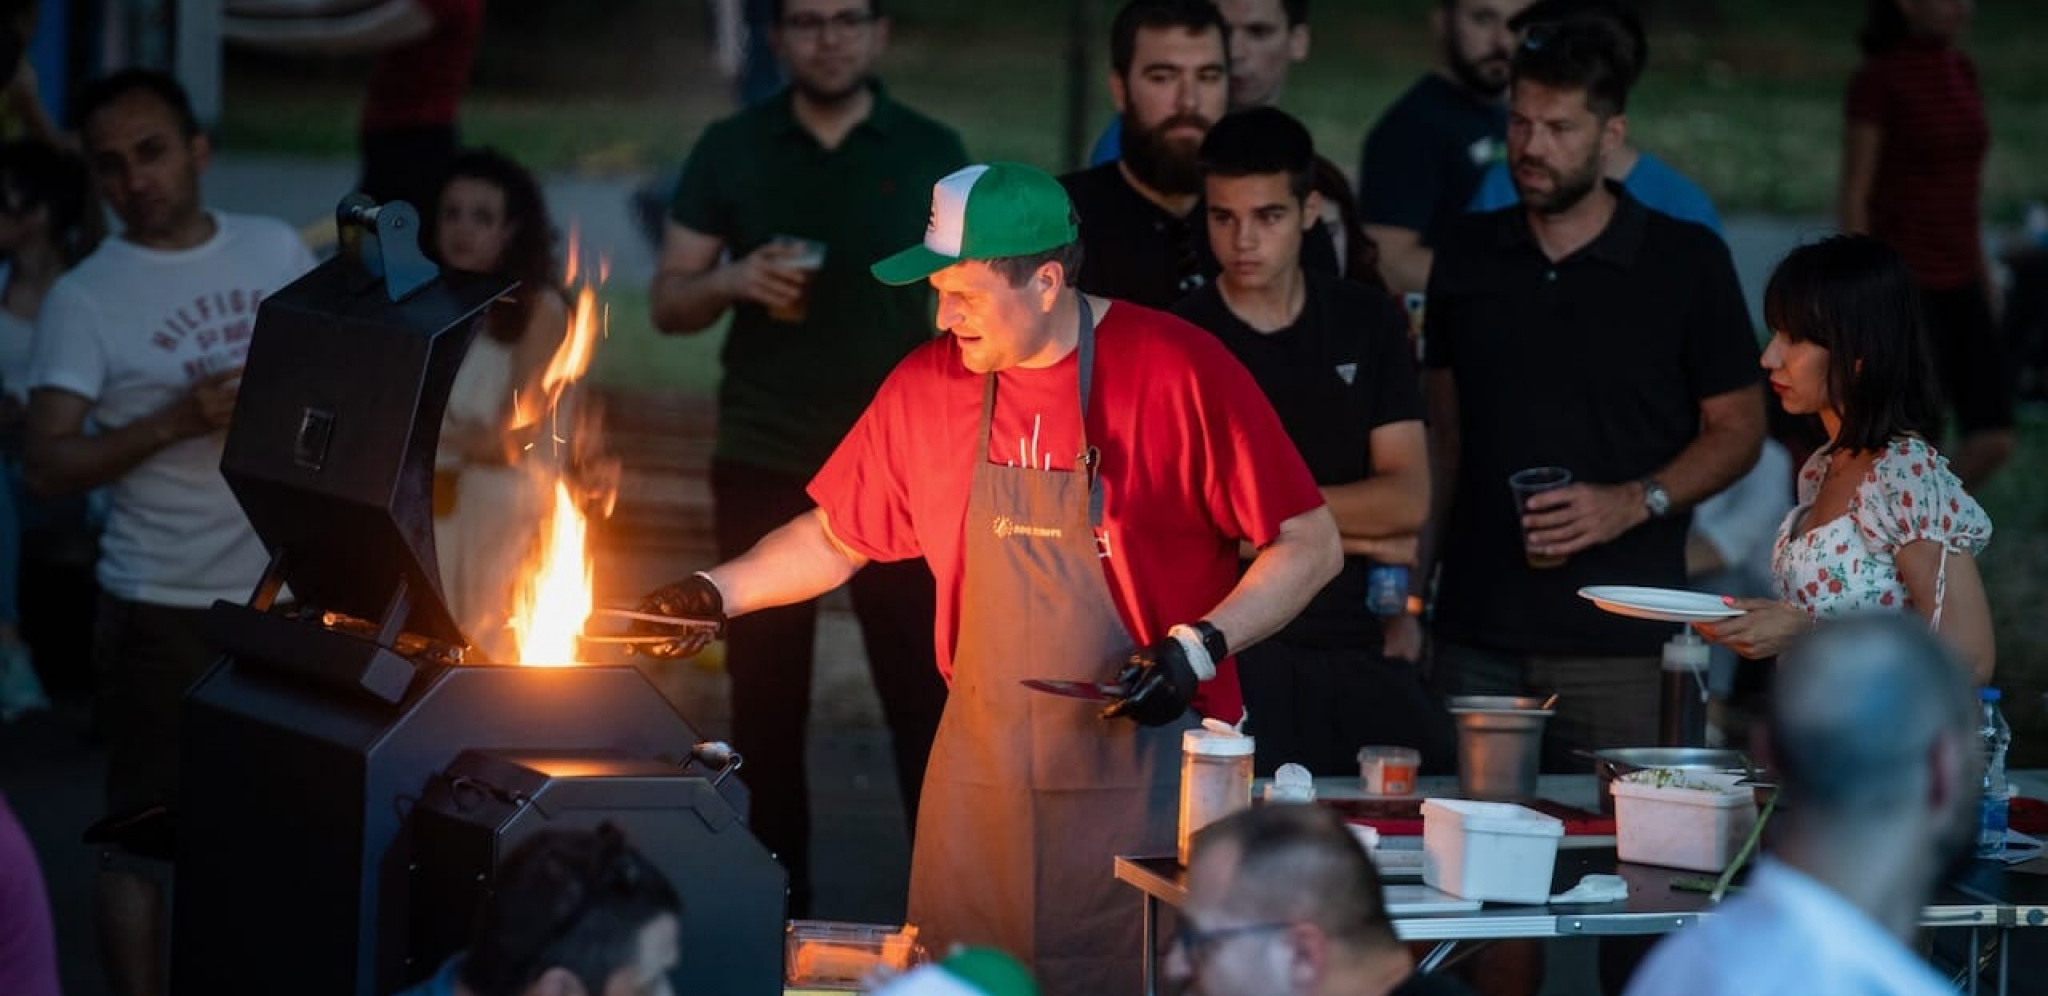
<point x="1655" y="498"/>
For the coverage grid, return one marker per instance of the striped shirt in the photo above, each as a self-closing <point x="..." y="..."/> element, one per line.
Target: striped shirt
<point x="1926" y="101"/>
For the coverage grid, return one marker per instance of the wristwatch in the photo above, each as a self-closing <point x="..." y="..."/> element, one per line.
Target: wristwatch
<point x="1655" y="498"/>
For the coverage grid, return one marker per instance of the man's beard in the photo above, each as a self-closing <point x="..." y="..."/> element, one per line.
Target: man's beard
<point x="1164" y="165"/>
<point x="1468" y="71"/>
<point x="1566" y="190"/>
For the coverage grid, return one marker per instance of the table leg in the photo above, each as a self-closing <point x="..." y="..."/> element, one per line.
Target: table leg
<point x="1151" y="948"/>
<point x="2004" y="962"/>
<point x="1435" y="959"/>
<point x="1976" y="952"/>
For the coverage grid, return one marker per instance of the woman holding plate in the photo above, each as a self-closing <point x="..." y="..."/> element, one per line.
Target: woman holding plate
<point x="1880" y="523"/>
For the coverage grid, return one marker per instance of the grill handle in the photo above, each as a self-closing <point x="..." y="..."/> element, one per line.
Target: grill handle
<point x="719" y="755"/>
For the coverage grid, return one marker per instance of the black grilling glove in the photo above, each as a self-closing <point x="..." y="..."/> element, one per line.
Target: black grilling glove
<point x="694" y="598"/>
<point x="1158" y="682"/>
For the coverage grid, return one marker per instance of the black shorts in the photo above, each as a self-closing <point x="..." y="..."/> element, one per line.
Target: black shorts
<point x="146" y="658"/>
<point x="1977" y="382"/>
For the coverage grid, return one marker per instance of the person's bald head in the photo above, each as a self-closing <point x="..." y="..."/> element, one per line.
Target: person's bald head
<point x="1296" y="863"/>
<point x="1858" y="709"/>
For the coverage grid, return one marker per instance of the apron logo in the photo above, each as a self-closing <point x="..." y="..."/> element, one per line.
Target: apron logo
<point x="1007" y="527"/>
<point x="1102" y="544"/>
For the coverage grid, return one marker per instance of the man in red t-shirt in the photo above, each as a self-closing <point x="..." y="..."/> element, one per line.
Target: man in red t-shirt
<point x="1079" y="473"/>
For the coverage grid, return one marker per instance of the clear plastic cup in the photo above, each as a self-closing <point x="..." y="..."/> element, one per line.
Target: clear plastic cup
<point x="1527" y="484"/>
<point x="1388" y="770"/>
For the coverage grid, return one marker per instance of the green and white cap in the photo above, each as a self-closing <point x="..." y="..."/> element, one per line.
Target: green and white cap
<point x="965" y="972"/>
<point x="986" y="211"/>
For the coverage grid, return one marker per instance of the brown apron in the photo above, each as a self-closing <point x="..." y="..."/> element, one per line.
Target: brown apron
<point x="1029" y="796"/>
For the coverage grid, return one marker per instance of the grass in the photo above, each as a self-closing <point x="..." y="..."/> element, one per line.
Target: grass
<point x="1744" y="95"/>
<point x="635" y="356"/>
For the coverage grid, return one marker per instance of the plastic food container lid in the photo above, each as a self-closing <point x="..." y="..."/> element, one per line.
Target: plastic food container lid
<point x="1494" y="817"/>
<point x="1209" y="743"/>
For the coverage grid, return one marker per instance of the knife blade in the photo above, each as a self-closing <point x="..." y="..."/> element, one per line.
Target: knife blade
<point x="1091" y="690"/>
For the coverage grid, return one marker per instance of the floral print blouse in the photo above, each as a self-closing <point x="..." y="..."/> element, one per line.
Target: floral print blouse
<point x="1845" y="565"/>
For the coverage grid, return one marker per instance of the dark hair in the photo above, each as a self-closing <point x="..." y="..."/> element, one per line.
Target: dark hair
<point x="1297" y="12"/>
<point x="1194" y="16"/>
<point x="1884" y="27"/>
<point x="775" y="9"/>
<point x="1260" y="141"/>
<point x="40" y="175"/>
<point x="1634" y="44"/>
<point x="529" y="254"/>
<point x="1361" y="254"/>
<point x="1300" y="862"/>
<point x="1581" y="53"/>
<point x="1853" y="295"/>
<point x="572" y="899"/>
<point x="97" y="95"/>
<point x="1018" y="269"/>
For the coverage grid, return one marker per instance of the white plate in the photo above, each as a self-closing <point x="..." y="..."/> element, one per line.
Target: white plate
<point x="1664" y="604"/>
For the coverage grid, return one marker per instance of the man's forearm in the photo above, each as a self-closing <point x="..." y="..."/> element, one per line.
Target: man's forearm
<point x="1724" y="450"/>
<point x="1379" y="507"/>
<point x="690" y="302"/>
<point x="797" y="562"/>
<point x="75" y="463"/>
<point x="1280" y="580"/>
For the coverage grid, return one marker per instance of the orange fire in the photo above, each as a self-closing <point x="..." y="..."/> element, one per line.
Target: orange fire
<point x="554" y="601"/>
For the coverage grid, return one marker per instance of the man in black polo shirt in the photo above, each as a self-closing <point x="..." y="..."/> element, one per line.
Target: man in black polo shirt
<point x="835" y="161"/>
<point x="1141" y="223"/>
<point x="1333" y="357"/>
<point x="1425" y="155"/>
<point x="1581" y="330"/>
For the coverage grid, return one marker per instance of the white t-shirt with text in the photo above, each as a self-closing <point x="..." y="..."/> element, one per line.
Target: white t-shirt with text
<point x="130" y="329"/>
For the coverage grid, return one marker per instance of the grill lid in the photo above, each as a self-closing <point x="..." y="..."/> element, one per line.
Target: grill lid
<point x="331" y="449"/>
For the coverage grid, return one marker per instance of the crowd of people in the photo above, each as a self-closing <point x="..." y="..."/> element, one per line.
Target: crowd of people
<point x="1207" y="423"/>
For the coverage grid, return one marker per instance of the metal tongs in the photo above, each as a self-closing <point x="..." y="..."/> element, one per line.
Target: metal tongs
<point x="680" y="623"/>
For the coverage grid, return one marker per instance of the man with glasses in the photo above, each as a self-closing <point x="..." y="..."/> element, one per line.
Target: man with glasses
<point x="1282" y="899"/>
<point x="571" y="911"/>
<point x="780" y="209"/>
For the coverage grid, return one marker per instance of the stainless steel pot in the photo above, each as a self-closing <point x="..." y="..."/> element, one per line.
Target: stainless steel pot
<point x="1614" y="762"/>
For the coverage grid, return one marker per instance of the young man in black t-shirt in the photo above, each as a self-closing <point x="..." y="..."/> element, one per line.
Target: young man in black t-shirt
<point x="1334" y="359"/>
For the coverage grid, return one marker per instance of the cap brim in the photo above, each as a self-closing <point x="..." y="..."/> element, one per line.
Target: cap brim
<point x="910" y="266"/>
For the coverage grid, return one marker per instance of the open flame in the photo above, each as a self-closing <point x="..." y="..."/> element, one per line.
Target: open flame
<point x="555" y="598"/>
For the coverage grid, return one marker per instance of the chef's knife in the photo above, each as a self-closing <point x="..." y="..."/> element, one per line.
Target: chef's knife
<point x="1091" y="690"/>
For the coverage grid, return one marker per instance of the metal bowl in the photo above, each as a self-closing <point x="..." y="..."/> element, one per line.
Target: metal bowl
<point x="1615" y="762"/>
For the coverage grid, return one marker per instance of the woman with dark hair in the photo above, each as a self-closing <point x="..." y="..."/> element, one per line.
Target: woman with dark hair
<point x="1881" y="524"/>
<point x="492" y="485"/>
<point x="49" y="220"/>
<point x="1913" y="157"/>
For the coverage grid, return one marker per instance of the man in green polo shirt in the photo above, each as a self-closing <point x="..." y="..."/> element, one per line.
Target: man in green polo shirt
<point x="830" y="166"/>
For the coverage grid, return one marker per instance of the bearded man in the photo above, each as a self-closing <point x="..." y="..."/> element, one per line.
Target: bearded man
<point x="1576" y="329"/>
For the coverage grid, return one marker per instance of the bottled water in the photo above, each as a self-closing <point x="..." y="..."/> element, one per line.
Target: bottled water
<point x="1991" y="816"/>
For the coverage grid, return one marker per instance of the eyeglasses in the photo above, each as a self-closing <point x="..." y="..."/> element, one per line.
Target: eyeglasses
<point x="812" y="26"/>
<point x="1198" y="943"/>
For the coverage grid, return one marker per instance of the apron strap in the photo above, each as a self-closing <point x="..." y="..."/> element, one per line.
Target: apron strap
<point x="1089" y="460"/>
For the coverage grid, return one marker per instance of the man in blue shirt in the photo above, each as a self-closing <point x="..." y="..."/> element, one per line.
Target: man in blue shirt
<point x="1424" y="156"/>
<point x="1647" y="178"/>
<point x="1266" y="38"/>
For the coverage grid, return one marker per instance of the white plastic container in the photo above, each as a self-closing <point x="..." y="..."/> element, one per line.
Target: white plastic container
<point x="1697" y="824"/>
<point x="1215" y="780"/>
<point x="1492" y="851"/>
